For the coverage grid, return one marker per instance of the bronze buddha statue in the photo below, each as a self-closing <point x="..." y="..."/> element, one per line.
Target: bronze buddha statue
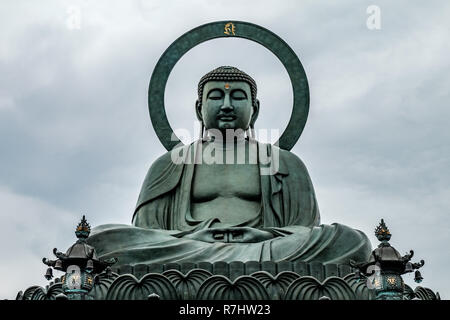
<point x="227" y="197"/>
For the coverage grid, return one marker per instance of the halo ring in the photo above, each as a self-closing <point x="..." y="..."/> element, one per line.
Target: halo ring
<point x="236" y="29"/>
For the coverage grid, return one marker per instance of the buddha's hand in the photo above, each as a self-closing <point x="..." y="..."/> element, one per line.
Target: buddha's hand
<point x="232" y="234"/>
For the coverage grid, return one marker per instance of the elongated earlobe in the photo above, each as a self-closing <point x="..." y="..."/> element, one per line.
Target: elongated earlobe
<point x="252" y="132"/>
<point x="198" y="110"/>
<point x="255" y="113"/>
<point x="202" y="130"/>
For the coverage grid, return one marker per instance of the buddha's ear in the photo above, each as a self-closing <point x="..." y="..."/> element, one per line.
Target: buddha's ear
<point x="255" y="113"/>
<point x="198" y="110"/>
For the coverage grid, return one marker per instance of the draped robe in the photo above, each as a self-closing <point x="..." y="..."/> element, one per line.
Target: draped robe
<point x="164" y="230"/>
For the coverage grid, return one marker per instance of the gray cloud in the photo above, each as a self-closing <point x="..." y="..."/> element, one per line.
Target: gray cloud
<point x="75" y="136"/>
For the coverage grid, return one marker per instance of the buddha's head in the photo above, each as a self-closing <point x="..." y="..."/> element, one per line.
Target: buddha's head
<point x="227" y="100"/>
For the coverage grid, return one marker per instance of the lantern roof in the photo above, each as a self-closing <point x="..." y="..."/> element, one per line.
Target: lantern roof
<point x="79" y="253"/>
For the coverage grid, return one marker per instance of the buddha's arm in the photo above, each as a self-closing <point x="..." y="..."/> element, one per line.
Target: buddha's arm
<point x="297" y="197"/>
<point x="153" y="209"/>
<point x="147" y="217"/>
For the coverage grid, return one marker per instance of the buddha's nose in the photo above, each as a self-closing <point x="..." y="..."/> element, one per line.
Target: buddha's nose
<point x="226" y="107"/>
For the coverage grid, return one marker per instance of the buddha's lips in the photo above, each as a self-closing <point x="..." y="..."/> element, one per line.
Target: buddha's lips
<point x="228" y="117"/>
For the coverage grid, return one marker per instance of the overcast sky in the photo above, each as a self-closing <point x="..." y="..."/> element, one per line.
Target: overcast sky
<point x="76" y="138"/>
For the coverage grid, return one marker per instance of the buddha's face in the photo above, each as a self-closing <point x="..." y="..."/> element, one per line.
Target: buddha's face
<point x="227" y="105"/>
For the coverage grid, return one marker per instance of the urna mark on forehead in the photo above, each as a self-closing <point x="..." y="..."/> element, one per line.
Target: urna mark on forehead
<point x="228" y="75"/>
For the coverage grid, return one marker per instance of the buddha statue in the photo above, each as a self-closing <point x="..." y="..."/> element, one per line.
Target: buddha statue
<point x="227" y="197"/>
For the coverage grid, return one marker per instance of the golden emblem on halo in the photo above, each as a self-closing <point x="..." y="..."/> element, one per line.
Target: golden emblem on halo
<point x="229" y="29"/>
<point x="391" y="280"/>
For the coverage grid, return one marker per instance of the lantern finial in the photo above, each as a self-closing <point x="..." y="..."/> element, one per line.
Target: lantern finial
<point x="83" y="229"/>
<point x="382" y="232"/>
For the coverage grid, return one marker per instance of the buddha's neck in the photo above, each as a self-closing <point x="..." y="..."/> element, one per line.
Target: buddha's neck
<point x="225" y="142"/>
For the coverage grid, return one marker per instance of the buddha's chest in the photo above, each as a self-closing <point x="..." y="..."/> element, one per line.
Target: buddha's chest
<point x="222" y="180"/>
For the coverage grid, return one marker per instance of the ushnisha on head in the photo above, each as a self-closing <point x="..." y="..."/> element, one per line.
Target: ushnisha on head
<point x="227" y="100"/>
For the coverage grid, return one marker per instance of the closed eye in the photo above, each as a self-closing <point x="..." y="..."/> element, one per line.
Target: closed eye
<point x="215" y="94"/>
<point x="238" y="95"/>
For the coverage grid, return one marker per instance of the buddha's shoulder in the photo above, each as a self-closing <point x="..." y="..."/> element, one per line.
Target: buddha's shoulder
<point x="164" y="168"/>
<point x="169" y="158"/>
<point x="289" y="158"/>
